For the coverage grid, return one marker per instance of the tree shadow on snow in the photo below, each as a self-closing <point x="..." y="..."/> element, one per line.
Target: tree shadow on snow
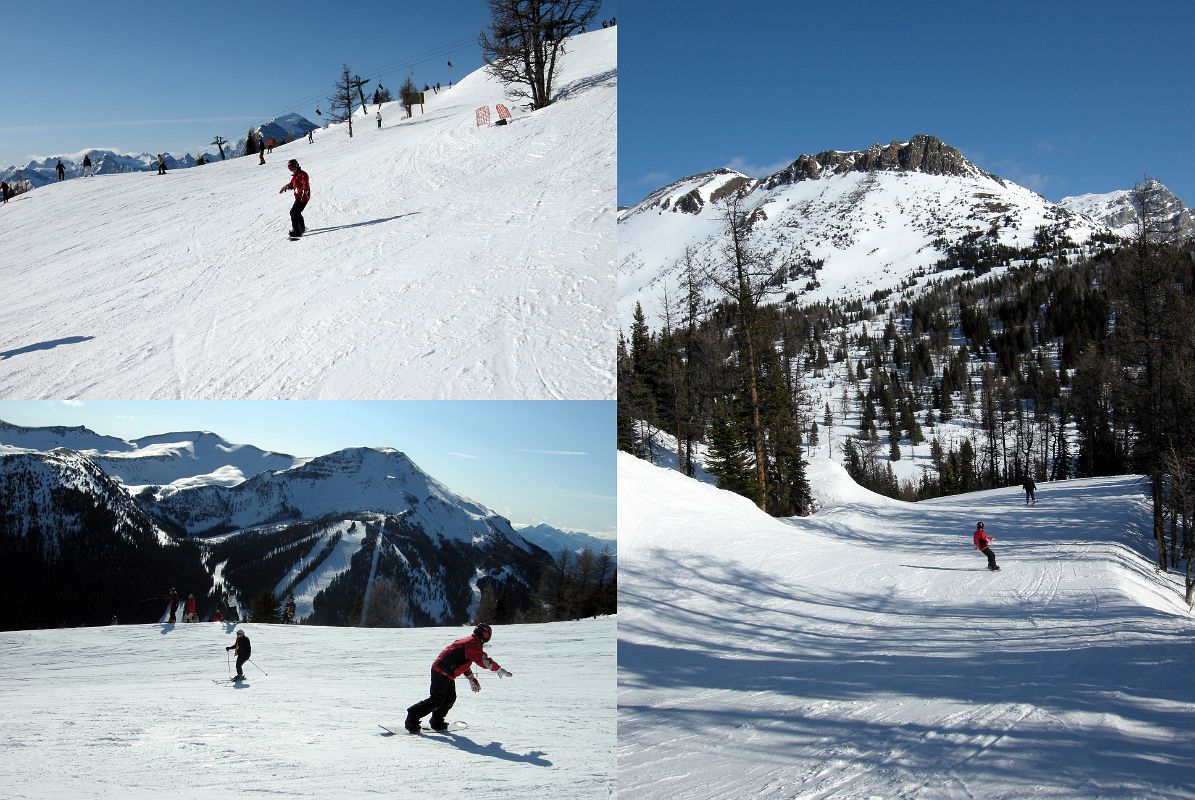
<point x="607" y="78"/>
<point x="495" y="750"/>
<point x="49" y="345"/>
<point x="330" y="228"/>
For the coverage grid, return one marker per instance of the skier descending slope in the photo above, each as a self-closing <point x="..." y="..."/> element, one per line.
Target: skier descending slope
<point x="243" y="650"/>
<point x="981" y="541"/>
<point x="454" y="660"/>
<point x="302" y="186"/>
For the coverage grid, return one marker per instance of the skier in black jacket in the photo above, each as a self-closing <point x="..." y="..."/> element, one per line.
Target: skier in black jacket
<point x="244" y="650"/>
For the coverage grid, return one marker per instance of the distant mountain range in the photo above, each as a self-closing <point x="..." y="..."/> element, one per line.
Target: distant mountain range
<point x="105" y="162"/>
<point x="844" y="224"/>
<point x="107" y="525"/>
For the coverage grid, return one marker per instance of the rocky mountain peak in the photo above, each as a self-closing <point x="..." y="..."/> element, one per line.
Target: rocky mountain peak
<point x="922" y="153"/>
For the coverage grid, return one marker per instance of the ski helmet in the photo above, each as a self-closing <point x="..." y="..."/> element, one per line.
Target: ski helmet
<point x="292" y="164"/>
<point x="483" y="632"/>
<point x="240" y="633"/>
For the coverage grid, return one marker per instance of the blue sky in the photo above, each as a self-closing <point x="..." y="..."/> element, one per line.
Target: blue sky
<point x="142" y="76"/>
<point x="531" y="461"/>
<point x="1063" y="97"/>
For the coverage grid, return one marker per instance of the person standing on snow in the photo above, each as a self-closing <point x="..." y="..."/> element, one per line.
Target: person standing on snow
<point x="302" y="186"/>
<point x="161" y="165"/>
<point x="454" y="660"/>
<point x="87" y="166"/>
<point x="190" y="615"/>
<point x="61" y="170"/>
<point x="1030" y="487"/>
<point x="981" y="541"/>
<point x="379" y="119"/>
<point x="243" y="651"/>
<point x="173" y="599"/>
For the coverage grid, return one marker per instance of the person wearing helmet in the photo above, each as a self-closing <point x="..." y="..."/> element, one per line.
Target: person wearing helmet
<point x="454" y="660"/>
<point x="243" y="651"/>
<point x="302" y="186"/>
<point x="981" y="540"/>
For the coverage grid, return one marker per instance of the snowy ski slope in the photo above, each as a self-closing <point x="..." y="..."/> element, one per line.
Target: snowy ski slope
<point x="443" y="260"/>
<point x="131" y="711"/>
<point x="867" y="652"/>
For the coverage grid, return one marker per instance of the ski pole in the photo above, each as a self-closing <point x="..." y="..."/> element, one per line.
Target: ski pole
<point x="263" y="672"/>
<point x="228" y="661"/>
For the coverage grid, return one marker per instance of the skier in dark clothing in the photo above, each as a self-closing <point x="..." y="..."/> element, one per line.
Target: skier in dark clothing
<point x="173" y="599"/>
<point x="1030" y="487"/>
<point x="302" y="186"/>
<point x="243" y="651"/>
<point x="87" y="166"/>
<point x="454" y="660"/>
<point x="161" y="165"/>
<point x="981" y="541"/>
<point x="4" y="190"/>
<point x="61" y="171"/>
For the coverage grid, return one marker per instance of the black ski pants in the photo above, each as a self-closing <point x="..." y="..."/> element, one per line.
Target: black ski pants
<point x="296" y="217"/>
<point x="439" y="702"/>
<point x="987" y="551"/>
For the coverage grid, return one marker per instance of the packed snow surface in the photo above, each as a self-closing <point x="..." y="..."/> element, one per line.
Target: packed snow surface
<point x="867" y="652"/>
<point x="442" y="260"/>
<point x="131" y="711"/>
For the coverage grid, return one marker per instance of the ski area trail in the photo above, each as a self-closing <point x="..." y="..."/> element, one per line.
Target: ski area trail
<point x="132" y="711"/>
<point x="442" y="260"/>
<point x="867" y="652"/>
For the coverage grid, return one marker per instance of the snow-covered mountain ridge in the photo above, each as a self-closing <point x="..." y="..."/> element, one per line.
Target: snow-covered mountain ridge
<point x="1117" y="212"/>
<point x="42" y="171"/>
<point x="323" y="528"/>
<point x="840" y="225"/>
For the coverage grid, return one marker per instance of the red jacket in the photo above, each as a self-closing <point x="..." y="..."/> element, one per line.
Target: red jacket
<point x="301" y="184"/>
<point x="190" y="605"/>
<point x="981" y="538"/>
<point x="457" y="658"/>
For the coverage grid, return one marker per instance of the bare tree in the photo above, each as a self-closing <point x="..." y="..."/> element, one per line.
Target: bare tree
<point x="526" y="39"/>
<point x="340" y="104"/>
<point x="408" y="95"/>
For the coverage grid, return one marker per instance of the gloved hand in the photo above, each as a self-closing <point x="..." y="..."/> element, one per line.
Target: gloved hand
<point x="504" y="673"/>
<point x="283" y="189"/>
<point x="474" y="684"/>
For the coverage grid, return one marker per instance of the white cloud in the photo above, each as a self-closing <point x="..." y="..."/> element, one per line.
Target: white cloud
<point x="72" y="403"/>
<point x="553" y="452"/>
<point x="463" y="455"/>
<point x="740" y="164"/>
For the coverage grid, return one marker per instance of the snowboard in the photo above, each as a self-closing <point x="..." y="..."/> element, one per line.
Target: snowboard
<point x="397" y="728"/>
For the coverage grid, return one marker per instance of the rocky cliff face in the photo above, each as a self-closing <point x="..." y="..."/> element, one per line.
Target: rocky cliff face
<point x="926" y="154"/>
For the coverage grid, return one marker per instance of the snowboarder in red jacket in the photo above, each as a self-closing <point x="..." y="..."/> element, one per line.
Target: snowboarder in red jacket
<point x="302" y="186"/>
<point x="981" y="541"/>
<point x="454" y="660"/>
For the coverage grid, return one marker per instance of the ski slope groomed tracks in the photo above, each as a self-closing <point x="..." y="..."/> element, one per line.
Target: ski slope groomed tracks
<point x="442" y="260"/>
<point x="867" y="652"/>
<point x="131" y="711"/>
